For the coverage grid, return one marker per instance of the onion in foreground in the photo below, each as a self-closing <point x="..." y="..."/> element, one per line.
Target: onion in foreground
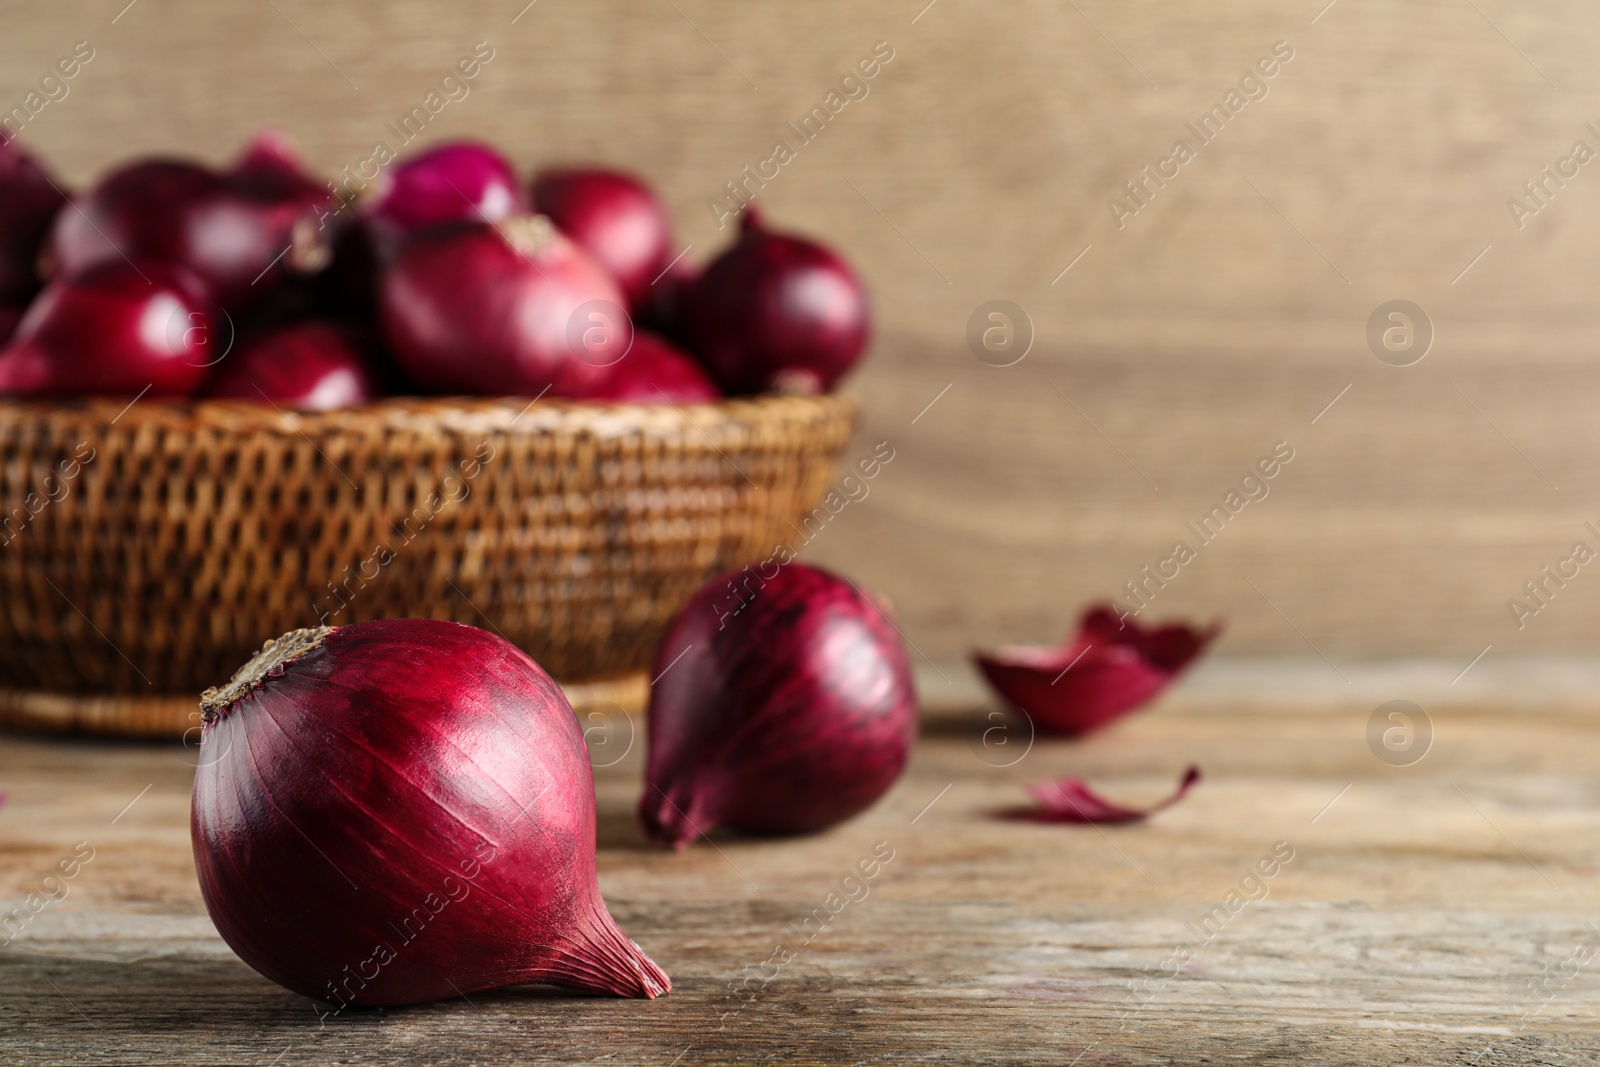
<point x="402" y="811"/>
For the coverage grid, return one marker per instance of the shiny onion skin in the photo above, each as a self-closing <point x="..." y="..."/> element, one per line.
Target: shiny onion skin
<point x="455" y="182"/>
<point x="113" y="330"/>
<point x="613" y="216"/>
<point x="495" y="309"/>
<point x="777" y="313"/>
<point x="308" y="366"/>
<point x="657" y="372"/>
<point x="783" y="705"/>
<point x="29" y="201"/>
<point x="403" y="811"/>
<point x="462" y="181"/>
<point x="237" y="232"/>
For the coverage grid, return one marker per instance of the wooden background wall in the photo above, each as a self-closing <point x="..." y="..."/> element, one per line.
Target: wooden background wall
<point x="1222" y="318"/>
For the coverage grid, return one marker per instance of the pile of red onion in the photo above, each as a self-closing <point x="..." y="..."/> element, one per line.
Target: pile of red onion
<point x="438" y="279"/>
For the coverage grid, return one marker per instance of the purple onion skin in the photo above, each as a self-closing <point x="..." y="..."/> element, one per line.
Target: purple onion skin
<point x="114" y="330"/>
<point x="455" y="182"/>
<point x="777" y="313"/>
<point x="9" y="317"/>
<point x="487" y="310"/>
<point x="657" y="372"/>
<point x="785" y="716"/>
<point x="29" y="202"/>
<point x="405" y="813"/>
<point x="613" y="216"/>
<point x="309" y="366"/>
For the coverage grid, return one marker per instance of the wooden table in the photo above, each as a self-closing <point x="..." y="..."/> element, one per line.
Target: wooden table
<point x="1420" y="904"/>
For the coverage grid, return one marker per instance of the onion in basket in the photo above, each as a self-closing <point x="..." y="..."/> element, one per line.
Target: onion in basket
<point x="309" y="366"/>
<point x="501" y="309"/>
<point x="613" y="216"/>
<point x="116" y="329"/>
<point x="777" y="313"/>
<point x="655" y="371"/>
<point x="238" y="233"/>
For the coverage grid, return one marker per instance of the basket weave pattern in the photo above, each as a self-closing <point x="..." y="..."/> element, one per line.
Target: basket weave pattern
<point x="162" y="544"/>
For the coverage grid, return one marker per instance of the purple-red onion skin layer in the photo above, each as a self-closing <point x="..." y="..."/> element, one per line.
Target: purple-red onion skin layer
<point x="786" y="715"/>
<point x="406" y="813"/>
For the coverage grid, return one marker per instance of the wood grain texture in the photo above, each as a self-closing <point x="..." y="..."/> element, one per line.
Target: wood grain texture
<point x="1220" y="319"/>
<point x="1421" y="905"/>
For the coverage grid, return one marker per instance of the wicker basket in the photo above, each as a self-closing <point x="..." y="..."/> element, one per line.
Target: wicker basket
<point x="149" y="550"/>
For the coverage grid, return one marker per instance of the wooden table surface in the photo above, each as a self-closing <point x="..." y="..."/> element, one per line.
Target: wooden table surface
<point x="1443" y="912"/>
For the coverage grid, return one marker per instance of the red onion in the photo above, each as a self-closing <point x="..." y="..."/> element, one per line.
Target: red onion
<point x="613" y="216"/>
<point x="776" y="312"/>
<point x="461" y="181"/>
<point x="402" y="811"/>
<point x="9" y="318"/>
<point x="783" y="704"/>
<point x="310" y="366"/>
<point x="656" y="372"/>
<point x="511" y="308"/>
<point x="238" y="233"/>
<point x="29" y="200"/>
<point x="114" y="329"/>
<point x="1110" y="667"/>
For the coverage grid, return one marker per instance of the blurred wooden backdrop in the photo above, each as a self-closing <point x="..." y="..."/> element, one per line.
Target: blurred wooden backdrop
<point x="1221" y="318"/>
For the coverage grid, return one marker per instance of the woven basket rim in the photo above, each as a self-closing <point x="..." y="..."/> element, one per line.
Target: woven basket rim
<point x="477" y="413"/>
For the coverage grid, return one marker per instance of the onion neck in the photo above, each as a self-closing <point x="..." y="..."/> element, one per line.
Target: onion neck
<point x="528" y="235"/>
<point x="274" y="656"/>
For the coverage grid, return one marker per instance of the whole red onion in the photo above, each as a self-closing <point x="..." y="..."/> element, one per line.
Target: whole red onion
<point x="776" y="312"/>
<point x="114" y="329"/>
<point x="402" y="811"/>
<point x="29" y="201"/>
<point x="613" y="216"/>
<point x="511" y="308"/>
<point x="9" y="317"/>
<point x="238" y="233"/>
<point x="783" y="704"/>
<point x="657" y="372"/>
<point x="309" y="366"/>
<point x="459" y="181"/>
